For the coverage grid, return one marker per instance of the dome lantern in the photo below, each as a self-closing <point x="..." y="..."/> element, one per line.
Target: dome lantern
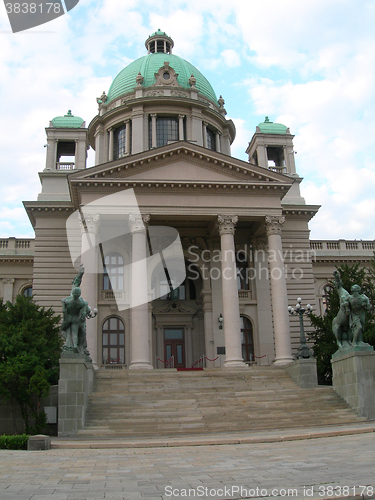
<point x="159" y="42"/>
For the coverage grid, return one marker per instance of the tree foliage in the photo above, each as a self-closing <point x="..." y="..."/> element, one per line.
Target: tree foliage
<point x="325" y="344"/>
<point x="30" y="347"/>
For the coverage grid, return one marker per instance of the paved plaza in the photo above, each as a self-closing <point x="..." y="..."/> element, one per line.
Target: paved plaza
<point x="328" y="467"/>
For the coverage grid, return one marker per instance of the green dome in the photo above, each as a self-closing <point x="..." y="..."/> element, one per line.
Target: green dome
<point x="268" y="127"/>
<point x="149" y="65"/>
<point x="67" y="121"/>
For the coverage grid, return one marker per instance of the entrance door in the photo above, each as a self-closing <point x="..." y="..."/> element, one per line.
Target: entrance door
<point x="174" y="345"/>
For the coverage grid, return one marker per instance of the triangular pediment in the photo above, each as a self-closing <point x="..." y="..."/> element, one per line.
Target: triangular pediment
<point x="180" y="162"/>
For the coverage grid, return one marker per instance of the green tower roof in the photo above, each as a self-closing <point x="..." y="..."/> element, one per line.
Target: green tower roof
<point x="149" y="65"/>
<point x="67" y="121"/>
<point x="268" y="127"/>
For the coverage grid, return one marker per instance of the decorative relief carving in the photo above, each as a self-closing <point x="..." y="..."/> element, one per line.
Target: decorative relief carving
<point x="273" y="224"/>
<point x="127" y="98"/>
<point x="166" y="76"/>
<point x="152" y="93"/>
<point x="199" y="242"/>
<point x="227" y="223"/>
<point x="89" y="223"/>
<point x="178" y="93"/>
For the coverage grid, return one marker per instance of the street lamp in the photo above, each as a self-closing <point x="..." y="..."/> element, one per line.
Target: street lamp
<point x="303" y="350"/>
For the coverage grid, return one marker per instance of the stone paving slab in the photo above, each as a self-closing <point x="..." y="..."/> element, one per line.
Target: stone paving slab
<point x="312" y="468"/>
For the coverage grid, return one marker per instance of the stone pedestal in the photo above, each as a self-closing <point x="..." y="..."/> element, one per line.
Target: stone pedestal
<point x="303" y="372"/>
<point x="75" y="385"/>
<point x="354" y="378"/>
<point x="39" y="442"/>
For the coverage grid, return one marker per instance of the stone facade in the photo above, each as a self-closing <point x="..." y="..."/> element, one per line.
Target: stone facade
<point x="169" y="141"/>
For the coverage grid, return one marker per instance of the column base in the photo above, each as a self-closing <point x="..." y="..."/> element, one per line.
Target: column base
<point x="235" y="363"/>
<point x="140" y="365"/>
<point x="283" y="361"/>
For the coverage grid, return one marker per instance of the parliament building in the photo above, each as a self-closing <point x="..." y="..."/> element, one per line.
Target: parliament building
<point x="243" y="226"/>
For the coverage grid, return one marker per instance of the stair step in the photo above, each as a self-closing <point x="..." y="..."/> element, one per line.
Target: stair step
<point x="167" y="403"/>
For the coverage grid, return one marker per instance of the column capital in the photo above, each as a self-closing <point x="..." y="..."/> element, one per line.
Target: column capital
<point x="273" y="224"/>
<point x="227" y="223"/>
<point x="109" y="129"/>
<point x="181" y="116"/>
<point x="89" y="223"/>
<point x="8" y="281"/>
<point x="153" y="115"/>
<point x="139" y="222"/>
<point x="127" y="121"/>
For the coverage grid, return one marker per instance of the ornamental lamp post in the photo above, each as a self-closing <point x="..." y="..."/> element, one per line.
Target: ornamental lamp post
<point x="303" y="350"/>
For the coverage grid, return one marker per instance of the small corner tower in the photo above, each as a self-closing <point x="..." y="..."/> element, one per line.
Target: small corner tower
<point x="271" y="147"/>
<point x="66" y="143"/>
<point x="67" y="146"/>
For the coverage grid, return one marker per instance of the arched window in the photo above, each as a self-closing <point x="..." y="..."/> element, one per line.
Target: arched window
<point x="211" y="140"/>
<point x="119" y="142"/>
<point x="113" y="341"/>
<point x="113" y="277"/>
<point x="28" y="291"/>
<point x="327" y="289"/>
<point x="247" y="339"/>
<point x="242" y="273"/>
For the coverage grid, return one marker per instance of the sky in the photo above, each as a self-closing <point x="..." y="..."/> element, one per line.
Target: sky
<point x="307" y="64"/>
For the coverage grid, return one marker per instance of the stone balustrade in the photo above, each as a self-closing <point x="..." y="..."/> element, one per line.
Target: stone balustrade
<point x="342" y="247"/>
<point x="17" y="246"/>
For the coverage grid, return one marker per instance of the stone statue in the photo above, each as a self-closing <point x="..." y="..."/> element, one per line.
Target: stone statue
<point x="75" y="311"/>
<point x="349" y="323"/>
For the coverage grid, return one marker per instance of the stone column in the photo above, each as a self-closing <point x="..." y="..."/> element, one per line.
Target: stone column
<point x="110" y="147"/>
<point x="231" y="305"/>
<point x="127" y="137"/>
<point x="278" y="290"/>
<point x="8" y="289"/>
<point x="153" y="130"/>
<point x="181" y="127"/>
<point x="89" y="258"/>
<point x="204" y="134"/>
<point x="217" y="139"/>
<point x="139" y="325"/>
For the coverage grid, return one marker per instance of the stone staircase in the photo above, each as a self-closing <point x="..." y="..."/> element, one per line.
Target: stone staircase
<point x="169" y="403"/>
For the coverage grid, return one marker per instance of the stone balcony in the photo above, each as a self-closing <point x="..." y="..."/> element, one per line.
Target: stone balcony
<point x="17" y="246"/>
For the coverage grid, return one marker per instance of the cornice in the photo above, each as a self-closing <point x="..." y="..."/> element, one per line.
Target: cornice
<point x="16" y="258"/>
<point x="41" y="208"/>
<point x="303" y="212"/>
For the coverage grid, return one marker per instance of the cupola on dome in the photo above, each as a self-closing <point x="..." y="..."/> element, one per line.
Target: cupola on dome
<point x="67" y="121"/>
<point x="268" y="127"/>
<point x="159" y="46"/>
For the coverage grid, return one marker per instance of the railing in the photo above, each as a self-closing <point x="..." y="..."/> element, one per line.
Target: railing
<point x="244" y="294"/>
<point x="279" y="170"/>
<point x="202" y="361"/>
<point x="113" y="294"/>
<point x="343" y="246"/>
<point x="14" y="245"/>
<point x="64" y="166"/>
<point x="169" y="363"/>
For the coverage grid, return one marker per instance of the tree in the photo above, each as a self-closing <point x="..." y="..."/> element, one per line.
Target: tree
<point x="325" y="344"/>
<point x="30" y="347"/>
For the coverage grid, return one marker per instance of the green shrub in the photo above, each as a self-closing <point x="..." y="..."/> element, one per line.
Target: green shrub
<point x="14" y="442"/>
